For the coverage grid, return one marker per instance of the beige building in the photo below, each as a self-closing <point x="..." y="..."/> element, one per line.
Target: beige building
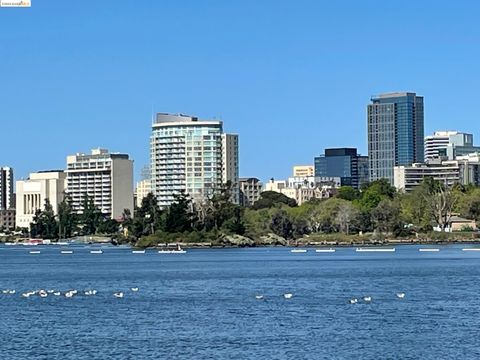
<point x="105" y="177"/>
<point x="303" y="171"/>
<point x="32" y="193"/>
<point x="250" y="189"/>
<point x="142" y="189"/>
<point x="230" y="164"/>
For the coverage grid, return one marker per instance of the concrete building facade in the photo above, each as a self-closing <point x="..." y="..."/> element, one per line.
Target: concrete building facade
<point x="143" y="188"/>
<point x="250" y="190"/>
<point x="191" y="155"/>
<point x="34" y="191"/>
<point x="395" y="125"/>
<point x="105" y="177"/>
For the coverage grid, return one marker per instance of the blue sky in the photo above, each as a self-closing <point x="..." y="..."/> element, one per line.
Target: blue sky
<point x="290" y="77"/>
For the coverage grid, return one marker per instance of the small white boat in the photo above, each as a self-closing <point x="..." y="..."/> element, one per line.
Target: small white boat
<point x="367" y="298"/>
<point x="118" y="295"/>
<point x="10" y="244"/>
<point x="96" y="251"/>
<point x="471" y="249"/>
<point x="172" y="251"/>
<point x="66" y="252"/>
<point x="353" y="301"/>
<point x="429" y="250"/>
<point x="259" y="297"/>
<point x="288" y="295"/>
<point x="325" y="250"/>
<point x="138" y="251"/>
<point x="34" y="252"/>
<point x="400" y="295"/>
<point x="298" y="250"/>
<point x="134" y="289"/>
<point x="375" y="249"/>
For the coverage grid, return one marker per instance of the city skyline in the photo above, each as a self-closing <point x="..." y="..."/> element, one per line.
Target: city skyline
<point x="315" y="74"/>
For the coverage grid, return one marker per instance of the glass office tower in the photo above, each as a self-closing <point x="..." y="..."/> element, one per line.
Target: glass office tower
<point x="395" y="133"/>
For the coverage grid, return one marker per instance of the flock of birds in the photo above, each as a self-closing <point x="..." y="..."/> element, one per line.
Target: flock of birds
<point x="68" y="294"/>
<point x="366" y="299"/>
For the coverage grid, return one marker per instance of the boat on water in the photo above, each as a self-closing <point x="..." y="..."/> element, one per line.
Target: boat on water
<point x="325" y="250"/>
<point x="138" y="251"/>
<point x="96" y="251"/>
<point x="375" y="249"/>
<point x="298" y="250"/>
<point x="429" y="250"/>
<point x="471" y="249"/>
<point x="34" y="252"/>
<point x="172" y="251"/>
<point x="66" y="252"/>
<point x="10" y="244"/>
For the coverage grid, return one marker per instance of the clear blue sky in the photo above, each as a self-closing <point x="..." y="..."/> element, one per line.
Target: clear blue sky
<point x="291" y="77"/>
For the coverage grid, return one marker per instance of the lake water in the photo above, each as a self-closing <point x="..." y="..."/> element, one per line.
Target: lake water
<point x="202" y="305"/>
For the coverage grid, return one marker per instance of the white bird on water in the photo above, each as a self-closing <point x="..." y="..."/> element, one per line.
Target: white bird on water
<point x="353" y="301"/>
<point x="57" y="293"/>
<point x="400" y="295"/>
<point x="367" y="298"/>
<point x="118" y="295"/>
<point x="259" y="297"/>
<point x="287" y="295"/>
<point x="134" y="289"/>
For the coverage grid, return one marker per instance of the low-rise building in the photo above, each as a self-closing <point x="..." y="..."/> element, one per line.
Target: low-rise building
<point x="34" y="191"/>
<point x="250" y="189"/>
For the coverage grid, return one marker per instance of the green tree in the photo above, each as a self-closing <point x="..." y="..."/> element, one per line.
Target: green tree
<point x="347" y="193"/>
<point x="90" y="217"/>
<point x="281" y="224"/>
<point x="180" y="217"/>
<point x="66" y="218"/>
<point x="270" y="199"/>
<point x="148" y="217"/>
<point x="386" y="216"/>
<point x="44" y="224"/>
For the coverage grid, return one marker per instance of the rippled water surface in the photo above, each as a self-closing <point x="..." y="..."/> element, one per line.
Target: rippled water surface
<point x="202" y="304"/>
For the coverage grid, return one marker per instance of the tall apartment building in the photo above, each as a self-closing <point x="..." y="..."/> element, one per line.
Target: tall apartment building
<point x="345" y="163"/>
<point x="32" y="193"/>
<point x="191" y="155"/>
<point x="143" y="188"/>
<point x="250" y="189"/>
<point x="395" y="133"/>
<point x="449" y="144"/>
<point x="6" y="188"/>
<point x="230" y="166"/>
<point x="303" y="170"/>
<point x="105" y="177"/>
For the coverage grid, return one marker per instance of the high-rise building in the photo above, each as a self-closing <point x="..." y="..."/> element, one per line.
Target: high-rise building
<point x="34" y="191"/>
<point x="449" y="144"/>
<point x="143" y="188"/>
<point x="6" y="188"/>
<point x="105" y="177"/>
<point x="303" y="170"/>
<point x="230" y="164"/>
<point x="395" y="133"/>
<point x="345" y="163"/>
<point x="191" y="155"/>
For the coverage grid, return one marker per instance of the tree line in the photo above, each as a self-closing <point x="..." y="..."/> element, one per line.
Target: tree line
<point x="376" y="208"/>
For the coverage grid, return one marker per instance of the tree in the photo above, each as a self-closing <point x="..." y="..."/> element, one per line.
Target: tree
<point x="148" y="217"/>
<point x="347" y="193"/>
<point x="346" y="214"/>
<point x="107" y="226"/>
<point x="179" y="216"/>
<point x="90" y="217"/>
<point x="386" y="216"/>
<point x="440" y="200"/>
<point x="270" y="199"/>
<point x="281" y="224"/>
<point x="66" y="218"/>
<point x="44" y="224"/>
